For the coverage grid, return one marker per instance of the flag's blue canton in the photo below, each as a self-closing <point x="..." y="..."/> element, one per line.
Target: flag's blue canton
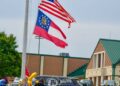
<point x="43" y="21"/>
<point x="51" y="0"/>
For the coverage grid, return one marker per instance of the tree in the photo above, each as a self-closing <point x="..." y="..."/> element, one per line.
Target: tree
<point x="10" y="60"/>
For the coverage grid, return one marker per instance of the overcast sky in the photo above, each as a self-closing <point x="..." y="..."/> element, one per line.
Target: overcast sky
<point x="95" y="19"/>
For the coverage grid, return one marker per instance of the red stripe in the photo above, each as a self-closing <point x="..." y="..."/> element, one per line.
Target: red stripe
<point x="49" y="3"/>
<point x="67" y="14"/>
<point x="42" y="33"/>
<point x="59" y="5"/>
<point x="55" y="14"/>
<point x="57" y="28"/>
<point x="52" y="9"/>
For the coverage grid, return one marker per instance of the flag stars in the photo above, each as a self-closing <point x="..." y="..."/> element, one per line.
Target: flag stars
<point x="43" y="21"/>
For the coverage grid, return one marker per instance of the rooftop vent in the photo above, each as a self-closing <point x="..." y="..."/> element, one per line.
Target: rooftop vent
<point x="64" y="54"/>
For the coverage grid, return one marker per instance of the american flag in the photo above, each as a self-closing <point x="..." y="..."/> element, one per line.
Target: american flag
<point x="53" y="7"/>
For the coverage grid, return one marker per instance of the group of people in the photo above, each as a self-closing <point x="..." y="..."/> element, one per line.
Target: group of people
<point x="35" y="83"/>
<point x="3" y="82"/>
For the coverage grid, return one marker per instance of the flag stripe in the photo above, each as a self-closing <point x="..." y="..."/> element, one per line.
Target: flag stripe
<point x="41" y="32"/>
<point x="63" y="18"/>
<point x="51" y="8"/>
<point x="50" y="3"/>
<point x="57" y="28"/>
<point x="59" y="5"/>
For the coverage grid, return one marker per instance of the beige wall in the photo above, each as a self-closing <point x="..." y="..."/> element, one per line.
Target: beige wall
<point x="106" y="71"/>
<point x="117" y="80"/>
<point x="117" y="70"/>
<point x="117" y="73"/>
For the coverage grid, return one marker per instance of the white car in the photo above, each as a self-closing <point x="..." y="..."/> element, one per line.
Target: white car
<point x="108" y="83"/>
<point x="86" y="82"/>
<point x="16" y="81"/>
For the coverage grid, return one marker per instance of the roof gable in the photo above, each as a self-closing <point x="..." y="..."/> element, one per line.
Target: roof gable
<point x="112" y="48"/>
<point x="78" y="72"/>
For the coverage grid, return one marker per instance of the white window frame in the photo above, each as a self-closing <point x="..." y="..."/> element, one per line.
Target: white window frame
<point x="95" y="59"/>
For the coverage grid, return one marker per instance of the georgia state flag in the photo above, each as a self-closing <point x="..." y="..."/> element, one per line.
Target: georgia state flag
<point x="42" y="27"/>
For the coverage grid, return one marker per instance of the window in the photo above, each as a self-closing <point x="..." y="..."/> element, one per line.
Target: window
<point x="94" y="61"/>
<point x="98" y="60"/>
<point x="103" y="60"/>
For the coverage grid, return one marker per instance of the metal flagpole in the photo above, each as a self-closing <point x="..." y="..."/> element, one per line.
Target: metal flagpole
<point x="25" y="40"/>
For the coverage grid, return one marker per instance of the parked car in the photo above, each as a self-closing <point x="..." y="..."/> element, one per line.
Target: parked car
<point x="86" y="82"/>
<point x="16" y="81"/>
<point x="58" y="81"/>
<point x="108" y="83"/>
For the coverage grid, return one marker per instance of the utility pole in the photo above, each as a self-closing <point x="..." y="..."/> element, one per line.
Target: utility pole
<point x="38" y="37"/>
<point x="25" y="40"/>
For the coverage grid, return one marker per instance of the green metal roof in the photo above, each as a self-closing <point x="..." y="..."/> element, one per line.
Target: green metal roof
<point x="112" y="48"/>
<point x="78" y="72"/>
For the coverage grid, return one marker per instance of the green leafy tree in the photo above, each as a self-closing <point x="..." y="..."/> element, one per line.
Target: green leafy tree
<point x="10" y="60"/>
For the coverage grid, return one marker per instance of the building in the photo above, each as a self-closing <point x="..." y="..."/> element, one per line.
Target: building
<point x="79" y="73"/>
<point x="54" y="65"/>
<point x="105" y="62"/>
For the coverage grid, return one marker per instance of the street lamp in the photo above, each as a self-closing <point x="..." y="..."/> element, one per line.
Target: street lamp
<point x="38" y="37"/>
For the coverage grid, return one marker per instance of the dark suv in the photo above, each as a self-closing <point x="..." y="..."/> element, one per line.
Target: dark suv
<point x="58" y="81"/>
